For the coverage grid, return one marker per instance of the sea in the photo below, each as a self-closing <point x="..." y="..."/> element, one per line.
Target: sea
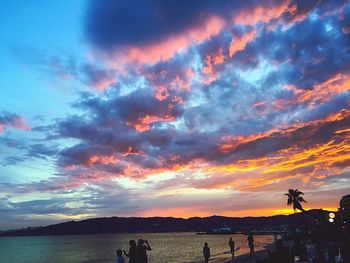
<point x="166" y="247"/>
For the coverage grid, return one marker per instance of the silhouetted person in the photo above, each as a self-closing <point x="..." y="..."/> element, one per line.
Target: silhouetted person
<point x="231" y="244"/>
<point x="132" y="255"/>
<point x="299" y="249"/>
<point x="142" y="247"/>
<point x="281" y="255"/>
<point x="251" y="245"/>
<point x="206" y="252"/>
<point x="120" y="258"/>
<point x="312" y="251"/>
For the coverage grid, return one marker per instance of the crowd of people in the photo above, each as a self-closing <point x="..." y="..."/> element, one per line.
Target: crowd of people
<point x="303" y="244"/>
<point x="317" y="244"/>
<point x="136" y="254"/>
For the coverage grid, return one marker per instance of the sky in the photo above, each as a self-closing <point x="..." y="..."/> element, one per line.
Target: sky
<point x="171" y="108"/>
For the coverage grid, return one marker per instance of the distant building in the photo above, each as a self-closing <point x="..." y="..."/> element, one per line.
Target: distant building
<point x="222" y="230"/>
<point x="345" y="209"/>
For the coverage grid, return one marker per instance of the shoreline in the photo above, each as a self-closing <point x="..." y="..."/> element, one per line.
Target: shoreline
<point x="245" y="258"/>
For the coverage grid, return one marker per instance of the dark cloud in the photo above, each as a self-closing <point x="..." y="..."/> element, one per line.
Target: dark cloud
<point x="9" y="142"/>
<point x="305" y="137"/>
<point x="98" y="78"/>
<point x="306" y="58"/>
<point x="8" y="119"/>
<point x="110" y="24"/>
<point x="117" y="23"/>
<point x="40" y="150"/>
<point x="107" y="134"/>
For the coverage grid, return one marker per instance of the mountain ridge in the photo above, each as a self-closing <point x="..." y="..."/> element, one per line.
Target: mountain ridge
<point x="114" y="225"/>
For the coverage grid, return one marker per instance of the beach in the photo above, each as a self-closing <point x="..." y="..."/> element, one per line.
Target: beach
<point x="260" y="255"/>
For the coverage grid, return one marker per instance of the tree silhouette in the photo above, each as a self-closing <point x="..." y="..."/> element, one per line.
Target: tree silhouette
<point x="295" y="198"/>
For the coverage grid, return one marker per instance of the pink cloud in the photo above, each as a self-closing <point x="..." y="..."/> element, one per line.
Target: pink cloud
<point x="319" y="93"/>
<point x="166" y="49"/>
<point x="239" y="44"/>
<point x="210" y="60"/>
<point x="262" y="13"/>
<point x="102" y="84"/>
<point x="13" y="121"/>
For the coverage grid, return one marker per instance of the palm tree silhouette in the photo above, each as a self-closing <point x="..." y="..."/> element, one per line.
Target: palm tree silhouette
<point x="295" y="198"/>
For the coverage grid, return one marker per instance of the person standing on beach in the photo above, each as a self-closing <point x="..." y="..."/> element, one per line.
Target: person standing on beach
<point x="132" y="255"/>
<point x="120" y="258"/>
<point x="231" y="244"/>
<point x="251" y="245"/>
<point x="206" y="252"/>
<point x="142" y="247"/>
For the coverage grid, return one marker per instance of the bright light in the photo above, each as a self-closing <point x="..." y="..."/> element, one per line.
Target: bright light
<point x="331" y="215"/>
<point x="331" y="220"/>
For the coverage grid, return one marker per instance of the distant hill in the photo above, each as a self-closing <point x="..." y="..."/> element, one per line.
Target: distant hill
<point x="164" y="224"/>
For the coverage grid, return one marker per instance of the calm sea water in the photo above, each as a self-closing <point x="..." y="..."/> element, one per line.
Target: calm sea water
<point x="166" y="247"/>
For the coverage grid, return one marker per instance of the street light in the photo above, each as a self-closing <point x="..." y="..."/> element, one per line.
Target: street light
<point x="331" y="217"/>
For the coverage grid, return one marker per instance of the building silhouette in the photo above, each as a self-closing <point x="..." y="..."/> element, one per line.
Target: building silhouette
<point x="345" y="209"/>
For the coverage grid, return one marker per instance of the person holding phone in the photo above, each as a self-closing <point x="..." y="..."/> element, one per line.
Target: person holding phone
<point x="142" y="248"/>
<point x="132" y="254"/>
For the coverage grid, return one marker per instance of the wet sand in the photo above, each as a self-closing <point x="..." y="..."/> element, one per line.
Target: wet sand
<point x="259" y="255"/>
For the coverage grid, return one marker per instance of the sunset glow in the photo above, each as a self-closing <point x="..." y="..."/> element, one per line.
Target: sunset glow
<point x="165" y="108"/>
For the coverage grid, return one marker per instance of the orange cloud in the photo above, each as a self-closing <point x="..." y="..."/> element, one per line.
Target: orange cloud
<point x="96" y="159"/>
<point x="314" y="161"/>
<point x="161" y="93"/>
<point x="143" y="124"/>
<point x="239" y="44"/>
<point x="210" y="61"/>
<point x="319" y="93"/>
<point x="320" y="160"/>
<point x="262" y="13"/>
<point x="213" y="59"/>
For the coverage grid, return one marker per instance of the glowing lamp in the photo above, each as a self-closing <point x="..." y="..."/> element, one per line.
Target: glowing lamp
<point x="331" y="220"/>
<point x="331" y="215"/>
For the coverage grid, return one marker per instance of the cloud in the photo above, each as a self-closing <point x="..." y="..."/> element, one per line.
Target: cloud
<point x="99" y="79"/>
<point x="173" y="123"/>
<point x="147" y="21"/>
<point x="12" y="120"/>
<point x="157" y="30"/>
<point x="200" y="104"/>
<point x="57" y="65"/>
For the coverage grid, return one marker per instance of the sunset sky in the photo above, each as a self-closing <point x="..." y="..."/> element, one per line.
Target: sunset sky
<point x="171" y="107"/>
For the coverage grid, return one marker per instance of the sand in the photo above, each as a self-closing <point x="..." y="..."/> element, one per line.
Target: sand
<point x="259" y="255"/>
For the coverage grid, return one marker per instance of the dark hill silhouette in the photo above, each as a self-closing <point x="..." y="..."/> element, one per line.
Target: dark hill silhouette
<point x="162" y="224"/>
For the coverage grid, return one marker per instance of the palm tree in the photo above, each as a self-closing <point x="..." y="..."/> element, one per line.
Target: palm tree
<point x="295" y="198"/>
